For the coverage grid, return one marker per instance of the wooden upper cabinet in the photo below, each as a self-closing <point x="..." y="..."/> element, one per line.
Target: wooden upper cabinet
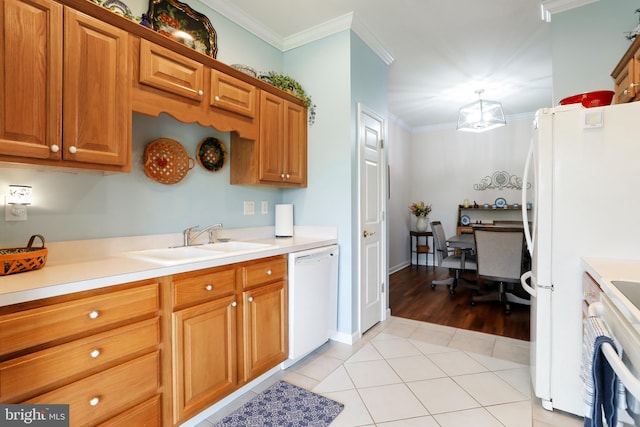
<point x="283" y="141"/>
<point x="295" y="142"/>
<point x="30" y="78"/>
<point x="97" y="87"/>
<point x="271" y="138"/>
<point x="171" y="72"/>
<point x="627" y="75"/>
<point x="232" y="94"/>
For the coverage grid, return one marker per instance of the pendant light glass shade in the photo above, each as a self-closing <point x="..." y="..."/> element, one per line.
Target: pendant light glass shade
<point x="481" y="115"/>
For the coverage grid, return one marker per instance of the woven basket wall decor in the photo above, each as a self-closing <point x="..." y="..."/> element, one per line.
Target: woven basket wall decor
<point x="211" y="154"/>
<point x="166" y="161"/>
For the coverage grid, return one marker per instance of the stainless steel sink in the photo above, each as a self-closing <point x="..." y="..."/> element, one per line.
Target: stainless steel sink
<point x="178" y="255"/>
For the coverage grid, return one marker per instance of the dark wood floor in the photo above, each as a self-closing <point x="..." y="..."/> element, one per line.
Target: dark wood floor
<point x="411" y="297"/>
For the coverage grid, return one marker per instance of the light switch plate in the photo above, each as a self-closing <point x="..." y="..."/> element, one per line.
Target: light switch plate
<point x="249" y="208"/>
<point x="265" y="207"/>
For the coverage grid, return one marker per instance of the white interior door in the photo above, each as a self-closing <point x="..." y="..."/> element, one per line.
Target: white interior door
<point x="372" y="231"/>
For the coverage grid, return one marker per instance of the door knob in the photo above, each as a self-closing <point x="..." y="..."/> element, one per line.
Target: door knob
<point x="366" y="233"/>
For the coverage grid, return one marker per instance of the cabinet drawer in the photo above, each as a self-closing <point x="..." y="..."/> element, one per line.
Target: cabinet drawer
<point x="146" y="414"/>
<point x="232" y="94"/>
<point x="54" y="322"/>
<point x="66" y="362"/>
<point x="264" y="271"/>
<point x="108" y="393"/>
<point x="197" y="287"/>
<point x="171" y="72"/>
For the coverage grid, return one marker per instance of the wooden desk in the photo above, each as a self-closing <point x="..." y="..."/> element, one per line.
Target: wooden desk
<point x="417" y="248"/>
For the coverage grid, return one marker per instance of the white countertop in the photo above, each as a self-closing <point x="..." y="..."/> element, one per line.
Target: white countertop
<point x="90" y="264"/>
<point x="605" y="271"/>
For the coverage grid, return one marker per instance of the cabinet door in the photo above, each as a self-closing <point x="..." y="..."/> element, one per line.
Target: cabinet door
<point x="271" y="138"/>
<point x="205" y="362"/>
<point x="265" y="328"/>
<point x="97" y="107"/>
<point x="295" y="144"/>
<point x="232" y="94"/>
<point x="30" y="78"/>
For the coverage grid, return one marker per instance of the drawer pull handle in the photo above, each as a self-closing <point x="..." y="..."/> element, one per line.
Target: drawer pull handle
<point x="208" y="287"/>
<point x="94" y="314"/>
<point x="250" y="299"/>
<point x="234" y="304"/>
<point x="269" y="272"/>
<point x="95" y="353"/>
<point x="94" y="401"/>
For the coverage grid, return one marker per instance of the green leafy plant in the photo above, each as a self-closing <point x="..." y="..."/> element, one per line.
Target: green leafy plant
<point x="288" y="84"/>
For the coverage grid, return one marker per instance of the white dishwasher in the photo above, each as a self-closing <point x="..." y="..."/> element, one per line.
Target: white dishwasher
<point x="313" y="299"/>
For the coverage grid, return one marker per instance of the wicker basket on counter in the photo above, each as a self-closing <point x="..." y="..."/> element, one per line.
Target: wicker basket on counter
<point x="19" y="260"/>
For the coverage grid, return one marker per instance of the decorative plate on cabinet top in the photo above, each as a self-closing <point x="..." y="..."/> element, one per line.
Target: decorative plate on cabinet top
<point x="211" y="154"/>
<point x="501" y="202"/>
<point x="118" y="7"/>
<point x="465" y="220"/>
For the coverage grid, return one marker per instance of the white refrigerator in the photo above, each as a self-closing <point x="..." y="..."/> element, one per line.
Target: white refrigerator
<point x="584" y="167"/>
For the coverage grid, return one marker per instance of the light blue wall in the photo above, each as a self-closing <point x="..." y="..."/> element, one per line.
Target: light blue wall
<point x="322" y="67"/>
<point x="587" y="44"/>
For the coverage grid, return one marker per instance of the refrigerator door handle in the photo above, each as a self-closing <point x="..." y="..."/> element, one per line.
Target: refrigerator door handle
<point x="525" y="212"/>
<point x="523" y="280"/>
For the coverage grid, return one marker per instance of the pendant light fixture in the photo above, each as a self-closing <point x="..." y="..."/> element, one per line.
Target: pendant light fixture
<point x="481" y="115"/>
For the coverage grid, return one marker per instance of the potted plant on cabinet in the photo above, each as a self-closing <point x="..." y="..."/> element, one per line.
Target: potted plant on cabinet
<point x="289" y="84"/>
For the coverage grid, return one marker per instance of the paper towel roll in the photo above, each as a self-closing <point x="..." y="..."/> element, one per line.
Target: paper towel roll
<point x="284" y="220"/>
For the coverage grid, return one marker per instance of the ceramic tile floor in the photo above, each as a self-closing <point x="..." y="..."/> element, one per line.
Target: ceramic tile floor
<point x="408" y="373"/>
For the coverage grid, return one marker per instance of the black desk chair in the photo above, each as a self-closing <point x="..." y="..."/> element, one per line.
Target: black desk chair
<point x="500" y="257"/>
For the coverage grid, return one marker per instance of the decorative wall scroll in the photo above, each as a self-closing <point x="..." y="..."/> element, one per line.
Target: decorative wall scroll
<point x="500" y="180"/>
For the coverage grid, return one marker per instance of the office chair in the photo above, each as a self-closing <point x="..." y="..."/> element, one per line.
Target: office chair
<point x="448" y="259"/>
<point x="500" y="257"/>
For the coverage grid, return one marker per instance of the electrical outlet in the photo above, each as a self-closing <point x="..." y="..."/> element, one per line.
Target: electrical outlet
<point x="249" y="208"/>
<point x="265" y="207"/>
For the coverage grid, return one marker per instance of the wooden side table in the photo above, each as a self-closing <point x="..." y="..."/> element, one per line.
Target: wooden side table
<point x="416" y="247"/>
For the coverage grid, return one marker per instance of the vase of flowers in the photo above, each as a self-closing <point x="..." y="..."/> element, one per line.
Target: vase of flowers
<point x="421" y="211"/>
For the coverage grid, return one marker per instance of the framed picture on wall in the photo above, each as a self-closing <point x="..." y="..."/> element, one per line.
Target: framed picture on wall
<point x="178" y="21"/>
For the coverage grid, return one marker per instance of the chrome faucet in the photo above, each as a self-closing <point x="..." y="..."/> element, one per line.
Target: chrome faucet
<point x="188" y="238"/>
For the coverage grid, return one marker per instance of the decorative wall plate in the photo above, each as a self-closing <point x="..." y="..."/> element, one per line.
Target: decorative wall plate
<point x="211" y="154"/>
<point x="465" y="220"/>
<point x="166" y="161"/>
<point x="500" y="202"/>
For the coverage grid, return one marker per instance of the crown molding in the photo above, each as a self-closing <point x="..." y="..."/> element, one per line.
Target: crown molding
<point x="333" y="26"/>
<point x="239" y="17"/>
<point x="556" y="6"/>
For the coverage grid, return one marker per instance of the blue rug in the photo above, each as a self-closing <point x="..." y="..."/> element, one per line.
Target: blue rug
<point x="284" y="405"/>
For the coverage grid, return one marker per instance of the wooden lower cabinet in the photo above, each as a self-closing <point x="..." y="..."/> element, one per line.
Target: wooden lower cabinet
<point x="227" y="336"/>
<point x="265" y="328"/>
<point x="98" y="351"/>
<point x="205" y="355"/>
<point x="149" y="353"/>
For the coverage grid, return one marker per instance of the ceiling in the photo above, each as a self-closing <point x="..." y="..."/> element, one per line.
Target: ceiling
<point x="439" y="52"/>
